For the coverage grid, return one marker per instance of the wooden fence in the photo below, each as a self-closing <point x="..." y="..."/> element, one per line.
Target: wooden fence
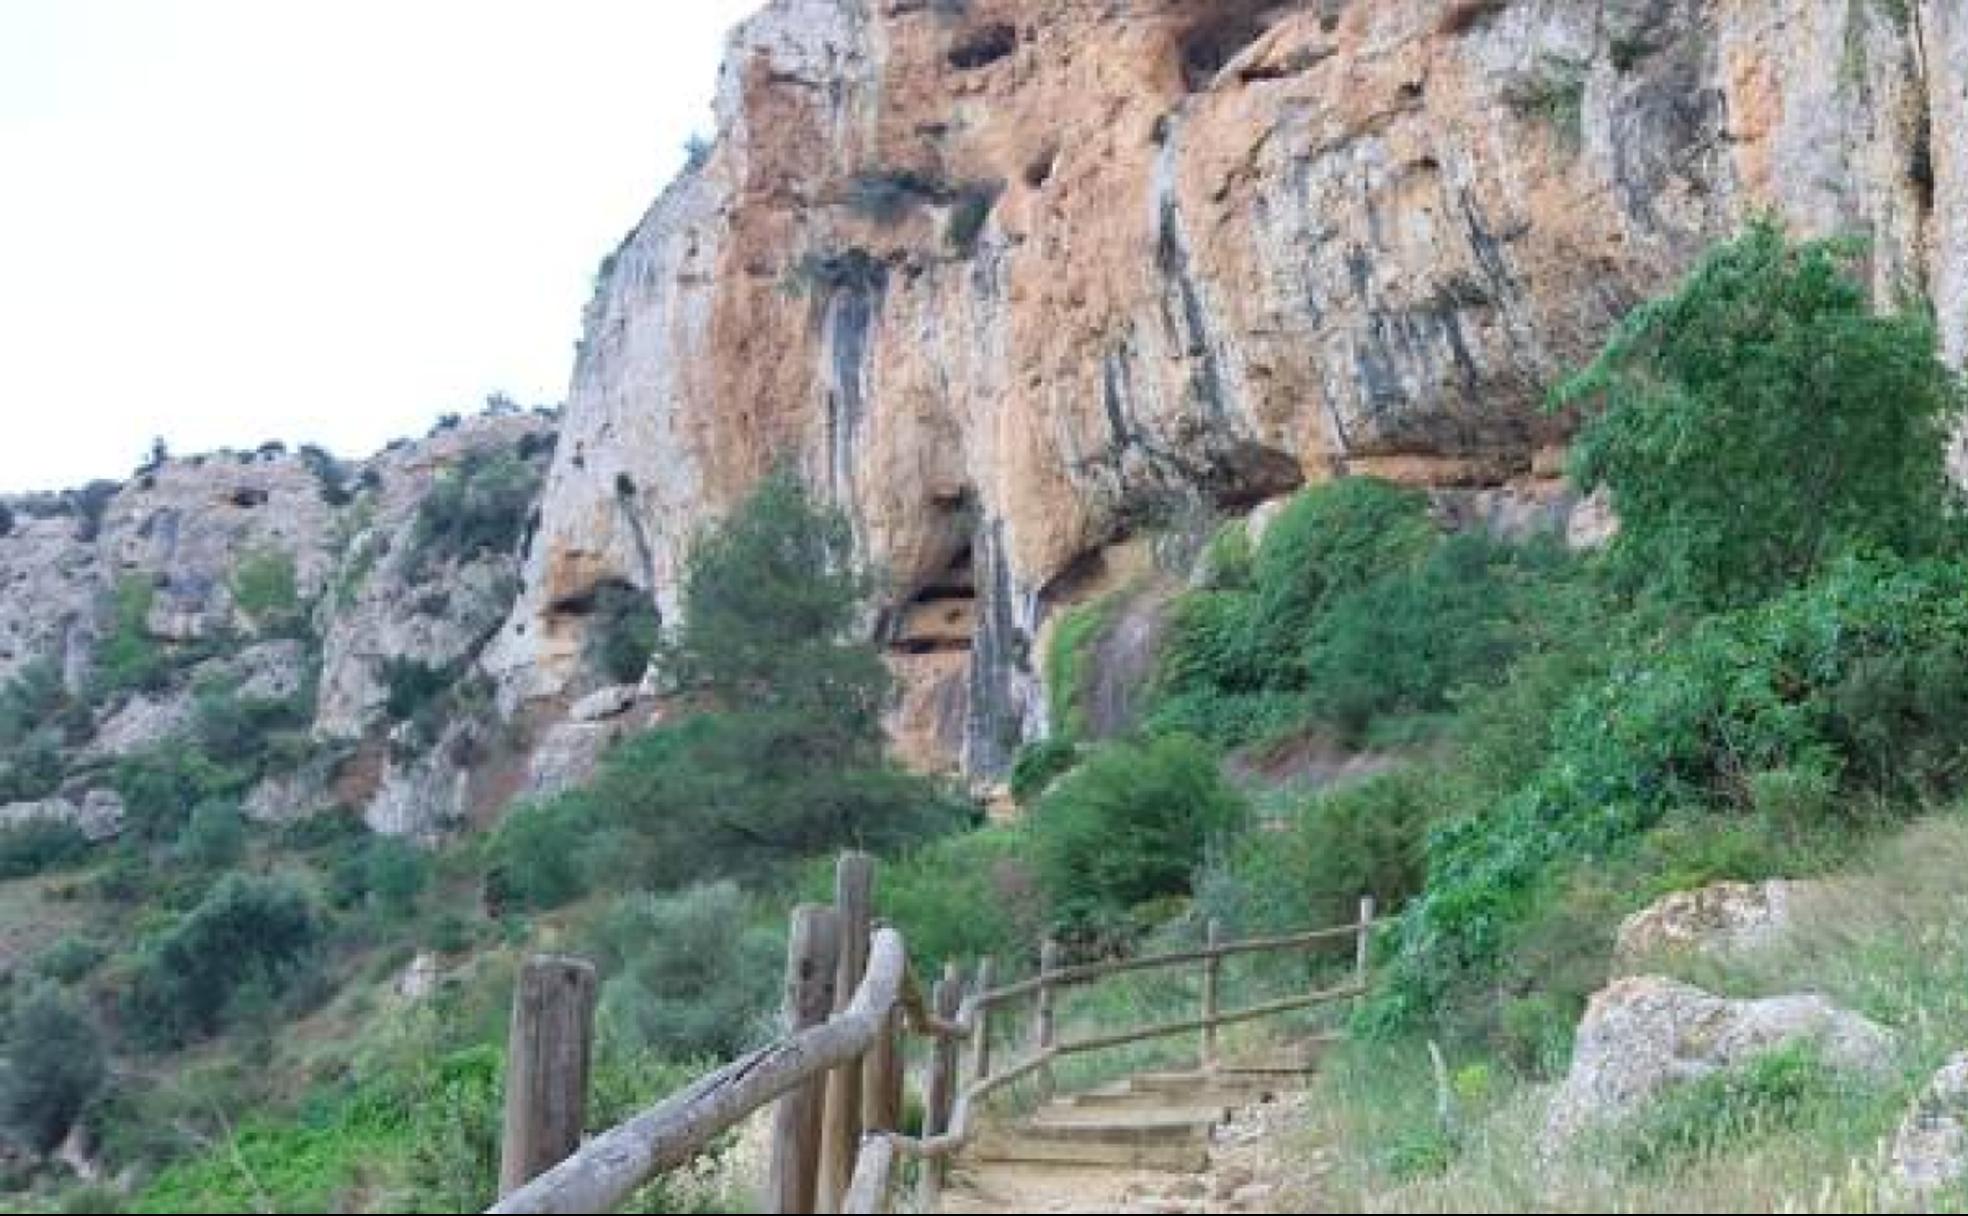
<point x="837" y="1074"/>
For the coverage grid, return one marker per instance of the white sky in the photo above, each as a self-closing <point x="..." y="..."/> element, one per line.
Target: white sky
<point x="227" y="221"/>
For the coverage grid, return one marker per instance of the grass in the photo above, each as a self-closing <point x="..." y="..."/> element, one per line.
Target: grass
<point x="1779" y="1135"/>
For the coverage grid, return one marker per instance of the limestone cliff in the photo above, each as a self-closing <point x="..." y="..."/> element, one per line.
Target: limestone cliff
<point x="376" y="608"/>
<point x="1009" y="278"/>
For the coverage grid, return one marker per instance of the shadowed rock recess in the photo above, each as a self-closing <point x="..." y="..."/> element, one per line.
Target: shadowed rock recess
<point x="1007" y="278"/>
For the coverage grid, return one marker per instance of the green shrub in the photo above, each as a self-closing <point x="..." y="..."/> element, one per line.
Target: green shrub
<point x="1331" y="539"/>
<point x="264" y="589"/>
<point x="1073" y="639"/>
<point x="249" y="933"/>
<point x="411" y="685"/>
<point x="35" y="846"/>
<point x="624" y="632"/>
<point x="1403" y="644"/>
<point x="1366" y="838"/>
<point x="536" y="855"/>
<point x="1228" y="558"/>
<point x="69" y="957"/>
<point x="160" y="787"/>
<point x="1694" y="724"/>
<point x="1131" y="825"/>
<point x="1762" y="420"/>
<point x="54" y="1065"/>
<point x="215" y="836"/>
<point x="1037" y="763"/>
<point x="480" y="506"/>
<point x="129" y="659"/>
<point x="965" y="896"/>
<point x="689" y="975"/>
<point x="396" y="873"/>
<point x="34" y="769"/>
<point x="35" y="700"/>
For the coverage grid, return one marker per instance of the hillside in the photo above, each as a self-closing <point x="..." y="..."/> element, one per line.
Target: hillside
<point x="1128" y="466"/>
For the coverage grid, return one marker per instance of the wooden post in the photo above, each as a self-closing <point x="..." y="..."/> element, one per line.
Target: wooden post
<point x="1364" y="941"/>
<point x="881" y="1080"/>
<point x="940" y="1082"/>
<point x="547" y="1057"/>
<point x="840" y="1135"/>
<point x="1043" y="1019"/>
<point x="980" y="1029"/>
<point x="1212" y="971"/>
<point x="812" y="963"/>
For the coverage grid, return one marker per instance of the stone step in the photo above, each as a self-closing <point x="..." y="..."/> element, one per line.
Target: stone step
<point x="1096" y="1106"/>
<point x="1149" y="1141"/>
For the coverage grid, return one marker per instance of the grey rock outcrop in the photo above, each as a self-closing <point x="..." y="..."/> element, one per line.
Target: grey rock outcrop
<point x="1644" y="1035"/>
<point x="1930" y="1150"/>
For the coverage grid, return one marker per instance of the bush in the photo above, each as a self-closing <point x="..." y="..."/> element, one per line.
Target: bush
<point x="411" y="686"/>
<point x="1347" y="569"/>
<point x="396" y="874"/>
<point x="1699" y="724"/>
<point x="478" y="507"/>
<point x="1038" y="763"/>
<point x="215" y="836"/>
<point x="264" y="589"/>
<point x="1073" y="639"/>
<point x="129" y="659"/>
<point x="34" y="769"/>
<point x="250" y="935"/>
<point x="68" y="958"/>
<point x="965" y="896"/>
<point x="1367" y="838"/>
<point x="1130" y="825"/>
<point x="1762" y="420"/>
<point x="688" y="974"/>
<point x="624" y="633"/>
<point x="160" y="787"/>
<point x="34" y="846"/>
<point x="54" y="1066"/>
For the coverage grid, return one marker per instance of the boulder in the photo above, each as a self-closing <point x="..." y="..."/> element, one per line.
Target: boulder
<point x="99" y="815"/>
<point x="1721" y="919"/>
<point x="610" y="702"/>
<point x="1930" y="1150"/>
<point x="1647" y="1034"/>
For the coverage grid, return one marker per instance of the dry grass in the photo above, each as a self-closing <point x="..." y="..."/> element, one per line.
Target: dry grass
<point x="1890" y="941"/>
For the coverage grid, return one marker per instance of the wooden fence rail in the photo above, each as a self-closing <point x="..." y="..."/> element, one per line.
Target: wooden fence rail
<point x="837" y="1073"/>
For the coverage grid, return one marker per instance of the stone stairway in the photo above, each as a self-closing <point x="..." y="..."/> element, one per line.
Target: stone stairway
<point x="1138" y="1145"/>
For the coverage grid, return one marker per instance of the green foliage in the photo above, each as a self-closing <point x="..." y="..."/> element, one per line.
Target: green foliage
<point x="1353" y="613"/>
<point x="1130" y="825"/>
<point x="249" y="933"/>
<point x="129" y="659"/>
<point x="396" y="873"/>
<point x="1366" y="838"/>
<point x="34" y="701"/>
<point x="1761" y="709"/>
<point x="690" y="975"/>
<point x="1720" y="1111"/>
<point x="160" y="787"/>
<point x="1037" y="763"/>
<point x="729" y="795"/>
<point x="965" y="896"/>
<point x="412" y="685"/>
<point x="1555" y="96"/>
<point x="264" y="589"/>
<point x="215" y="836"/>
<point x="478" y="507"/>
<point x="244" y="731"/>
<point x="1073" y="640"/>
<point x="771" y="600"/>
<point x="1762" y="420"/>
<point x="1403" y="644"/>
<point x="69" y="957"/>
<point x="33" y="768"/>
<point x="35" y="846"/>
<point x="624" y="632"/>
<point x="54" y="1064"/>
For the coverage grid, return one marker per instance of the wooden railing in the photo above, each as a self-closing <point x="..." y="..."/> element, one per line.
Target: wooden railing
<point x="837" y="1073"/>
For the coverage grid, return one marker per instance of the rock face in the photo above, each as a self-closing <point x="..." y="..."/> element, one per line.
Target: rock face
<point x="1930" y="1151"/>
<point x="380" y="603"/>
<point x="1643" y="1035"/>
<point x="1723" y="918"/>
<point x="1006" y="278"/>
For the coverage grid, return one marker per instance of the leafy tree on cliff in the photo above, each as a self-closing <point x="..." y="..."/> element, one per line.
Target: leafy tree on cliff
<point x="1762" y="419"/>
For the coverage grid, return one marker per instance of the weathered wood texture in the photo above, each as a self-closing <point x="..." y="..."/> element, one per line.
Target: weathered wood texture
<point x="548" y="1052"/>
<point x="840" y="1124"/>
<point x="812" y="966"/>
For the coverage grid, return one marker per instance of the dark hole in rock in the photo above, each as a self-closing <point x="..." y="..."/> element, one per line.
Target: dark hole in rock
<point x="247" y="496"/>
<point x="984" y="46"/>
<point x="1215" y="40"/>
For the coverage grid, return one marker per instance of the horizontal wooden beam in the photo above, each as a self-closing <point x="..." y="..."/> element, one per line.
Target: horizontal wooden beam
<point x="1087" y="972"/>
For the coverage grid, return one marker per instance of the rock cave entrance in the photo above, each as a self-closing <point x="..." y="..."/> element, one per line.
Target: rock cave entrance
<point x="942" y="617"/>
